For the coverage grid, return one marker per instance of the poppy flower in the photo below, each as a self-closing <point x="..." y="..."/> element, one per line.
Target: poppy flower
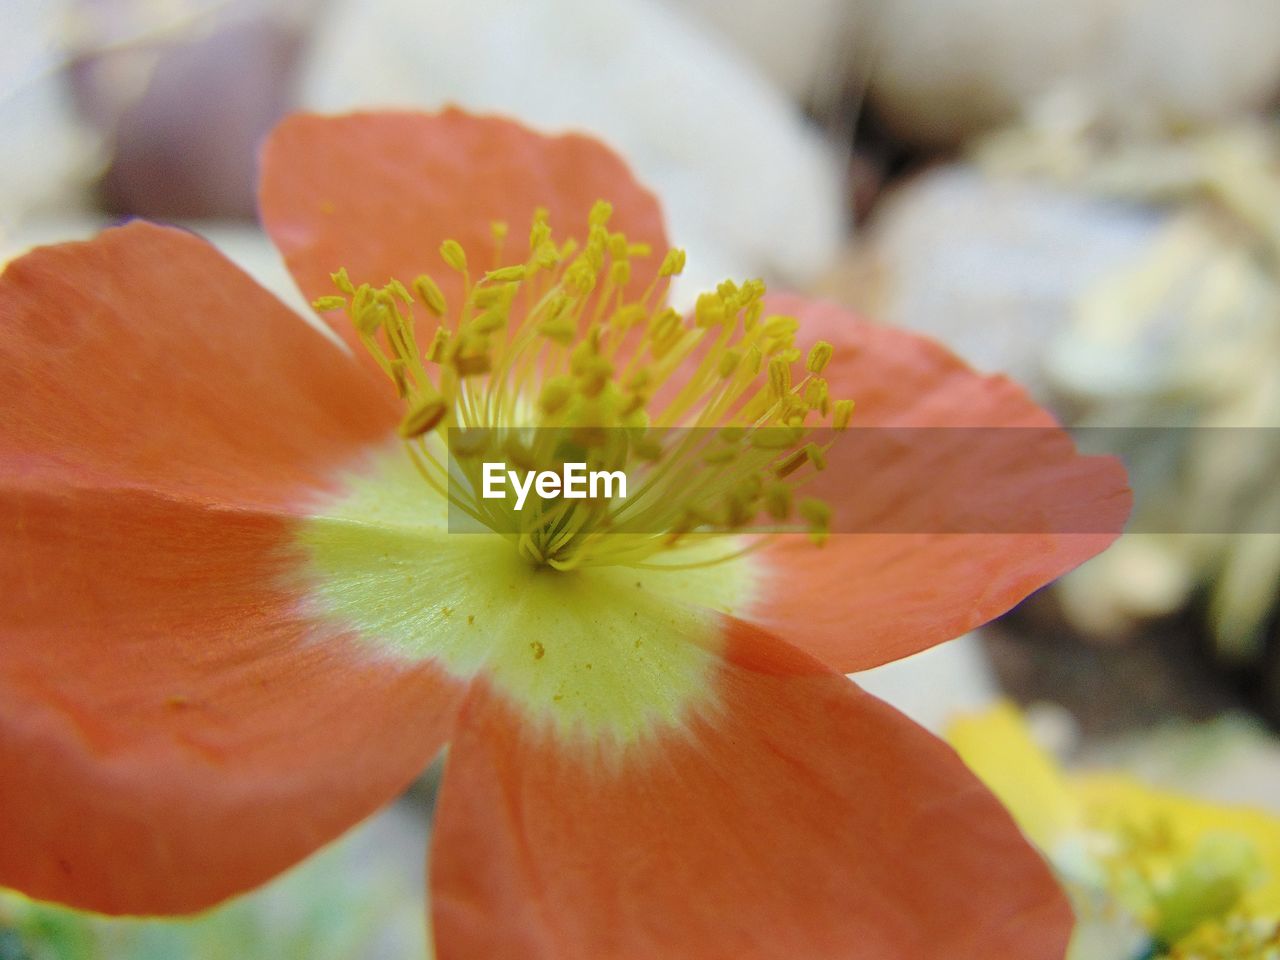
<point x="236" y="621"/>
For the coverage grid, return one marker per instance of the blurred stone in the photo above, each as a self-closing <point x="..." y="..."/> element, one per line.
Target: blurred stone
<point x="947" y="71"/>
<point x="1231" y="759"/>
<point x="50" y="155"/>
<point x="1143" y="578"/>
<point x="942" y="72"/>
<point x="1105" y="933"/>
<point x="806" y="47"/>
<point x="186" y="94"/>
<point x="990" y="266"/>
<point x="185" y="149"/>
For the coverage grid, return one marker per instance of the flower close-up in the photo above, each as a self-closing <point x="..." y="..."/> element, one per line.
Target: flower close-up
<point x="252" y="587"/>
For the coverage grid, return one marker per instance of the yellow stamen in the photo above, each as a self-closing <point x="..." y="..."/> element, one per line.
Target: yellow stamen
<point x="559" y="358"/>
<point x="819" y="356"/>
<point x="841" y="414"/>
<point x="452" y="253"/>
<point x="430" y="295"/>
<point x="325" y="304"/>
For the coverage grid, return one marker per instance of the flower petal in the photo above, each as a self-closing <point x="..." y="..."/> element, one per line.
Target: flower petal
<point x="173" y="729"/>
<point x="145" y="360"/>
<point x="378" y="193"/>
<point x="868" y="598"/>
<point x="795" y="817"/>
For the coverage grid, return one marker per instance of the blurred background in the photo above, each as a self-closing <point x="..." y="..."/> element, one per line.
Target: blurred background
<point x="1084" y="194"/>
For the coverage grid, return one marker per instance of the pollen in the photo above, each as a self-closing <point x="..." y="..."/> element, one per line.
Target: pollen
<point x="572" y="353"/>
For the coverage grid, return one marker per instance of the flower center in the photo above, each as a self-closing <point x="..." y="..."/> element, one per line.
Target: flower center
<point x="561" y="359"/>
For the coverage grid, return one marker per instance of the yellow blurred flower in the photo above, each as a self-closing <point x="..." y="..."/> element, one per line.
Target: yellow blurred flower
<point x="1201" y="880"/>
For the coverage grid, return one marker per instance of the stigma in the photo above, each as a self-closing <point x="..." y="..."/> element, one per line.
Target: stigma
<point x="567" y="351"/>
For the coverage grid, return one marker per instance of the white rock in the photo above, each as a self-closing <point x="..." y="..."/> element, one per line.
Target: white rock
<point x="946" y="69"/>
<point x="806" y="47"/>
<point x="991" y="266"/>
<point x="49" y="156"/>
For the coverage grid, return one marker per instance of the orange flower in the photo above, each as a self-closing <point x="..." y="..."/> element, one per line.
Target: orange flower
<point x="235" y="625"/>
